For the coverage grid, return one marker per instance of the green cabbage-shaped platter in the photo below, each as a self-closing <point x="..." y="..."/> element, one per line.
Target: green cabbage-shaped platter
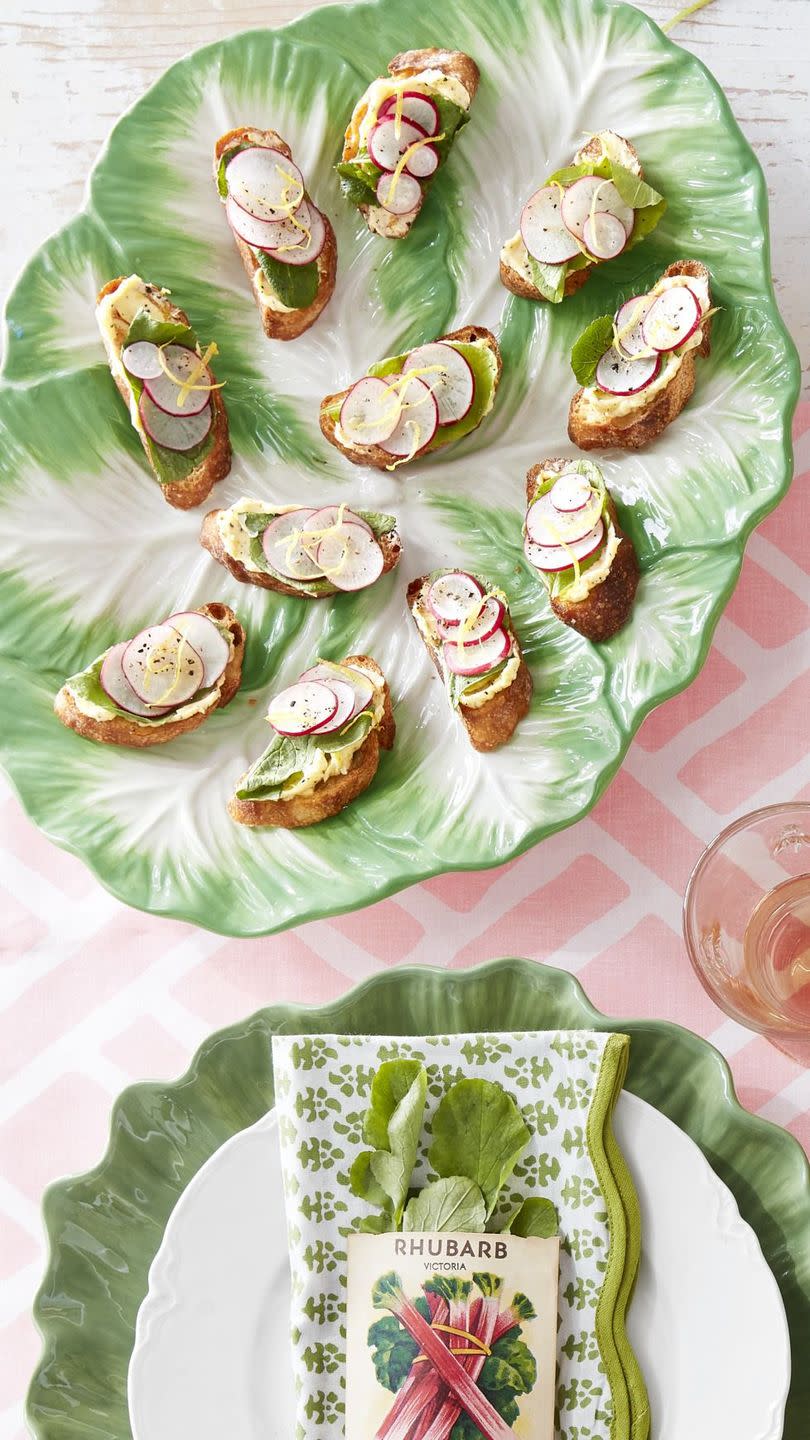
<point x="89" y="551"/>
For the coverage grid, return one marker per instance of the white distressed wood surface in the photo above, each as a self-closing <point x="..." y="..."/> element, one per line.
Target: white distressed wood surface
<point x="70" y="67"/>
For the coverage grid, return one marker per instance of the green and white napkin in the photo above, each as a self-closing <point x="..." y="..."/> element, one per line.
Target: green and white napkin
<point x="566" y="1084"/>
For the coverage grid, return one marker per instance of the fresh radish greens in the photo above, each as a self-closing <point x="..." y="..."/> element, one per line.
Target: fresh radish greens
<point x="590" y="347"/>
<point x="478" y="1131"/>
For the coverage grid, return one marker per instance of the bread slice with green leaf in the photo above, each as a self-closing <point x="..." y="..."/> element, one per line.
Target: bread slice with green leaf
<point x="467" y="630"/>
<point x="585" y="214"/>
<point x="637" y="368"/>
<point x="286" y="244"/>
<point x="328" y="730"/>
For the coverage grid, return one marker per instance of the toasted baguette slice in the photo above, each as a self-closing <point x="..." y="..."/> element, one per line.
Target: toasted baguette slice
<point x="211" y="540"/>
<point x="520" y="284"/>
<point x="374" y="454"/>
<point x="183" y="494"/>
<point x="453" y="63"/>
<point x="118" y="730"/>
<point x="606" y="607"/>
<point x="280" y="324"/>
<point x="330" y="796"/>
<point x="632" y="432"/>
<point x="492" y="724"/>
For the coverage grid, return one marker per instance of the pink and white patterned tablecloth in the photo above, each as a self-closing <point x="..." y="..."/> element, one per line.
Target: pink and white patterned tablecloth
<point x="94" y="996"/>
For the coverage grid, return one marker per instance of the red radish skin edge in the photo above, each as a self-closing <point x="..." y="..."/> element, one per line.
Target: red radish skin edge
<point x="448" y="630"/>
<point x="310" y="729"/>
<point x="431" y="605"/>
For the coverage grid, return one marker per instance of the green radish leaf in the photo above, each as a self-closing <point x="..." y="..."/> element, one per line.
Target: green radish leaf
<point x="288" y="757"/>
<point x="390" y="1086"/>
<point x="549" y="279"/>
<point x="393" y="1124"/>
<point x="377" y="1224"/>
<point x="536" y="1217"/>
<point x="294" y="285"/>
<point x="645" y="221"/>
<point x="362" y="1182"/>
<point x="450" y="1204"/>
<point x="590" y="347"/>
<point x="479" y="1132"/>
<point x="633" y="190"/>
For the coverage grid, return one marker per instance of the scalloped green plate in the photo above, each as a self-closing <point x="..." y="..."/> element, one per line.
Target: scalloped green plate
<point x="89" y="551"/>
<point x="105" y="1228"/>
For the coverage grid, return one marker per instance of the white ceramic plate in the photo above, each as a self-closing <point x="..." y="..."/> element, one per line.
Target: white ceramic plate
<point x="707" y="1320"/>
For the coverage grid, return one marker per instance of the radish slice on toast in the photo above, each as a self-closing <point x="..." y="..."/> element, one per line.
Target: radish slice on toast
<point x="618" y="374"/>
<point x="162" y="667"/>
<point x="307" y="243"/>
<point x="671" y="319"/>
<point x="114" y="683"/>
<point x="209" y="642"/>
<point x="174" y="432"/>
<point x="561" y="557"/>
<point x="405" y="196"/>
<point x="546" y="525"/>
<point x="328" y="671"/>
<point x="180" y="369"/>
<point x="265" y="183"/>
<point x="450" y="597"/>
<point x="571" y="492"/>
<point x="418" y="421"/>
<point x="350" y="557"/>
<point x="345" y="696"/>
<point x="591" y="195"/>
<point x="419" y="108"/>
<point x="302" y="708"/>
<point x="285" y="548"/>
<point x="386" y="147"/>
<point x="268" y="234"/>
<point x="482" y="620"/>
<point x="328" y="518"/>
<point x="604" y="235"/>
<point x="477" y="658"/>
<point x="142" y="360"/>
<point x="370" y="412"/>
<point x="545" y="235"/>
<point x="629" y="324"/>
<point x="448" y="376"/>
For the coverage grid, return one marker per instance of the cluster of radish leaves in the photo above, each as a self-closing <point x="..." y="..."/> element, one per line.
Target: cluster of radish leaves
<point x="479" y="1136"/>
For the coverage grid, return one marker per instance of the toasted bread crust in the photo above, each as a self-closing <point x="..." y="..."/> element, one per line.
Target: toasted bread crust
<point x="281" y="324"/>
<point x="185" y="494"/>
<point x="211" y="540"/>
<point x="519" y="285"/>
<point x="374" y="455"/>
<point x="330" y="796"/>
<point x="606" y="607"/>
<point x="410" y="62"/>
<point x="634" y="432"/>
<point x="120" y="731"/>
<point x="492" y="724"/>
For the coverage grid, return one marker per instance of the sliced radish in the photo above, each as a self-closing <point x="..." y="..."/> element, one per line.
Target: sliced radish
<point x="451" y="597"/>
<point x="264" y="183"/>
<point x="406" y="196"/>
<point x="302" y="708"/>
<point x="115" y="684"/>
<point x="418" y="421"/>
<point x="350" y="557"/>
<point x="419" y="108"/>
<point x="544" y="233"/>
<point x="301" y="250"/>
<point x="592" y="195"/>
<point x="209" y="642"/>
<point x="422" y="162"/>
<point x="284" y="545"/>
<point x="618" y="374"/>
<point x="629" y="318"/>
<point x="174" y="432"/>
<point x="329" y="672"/>
<point x="477" y="658"/>
<point x="571" y="492"/>
<point x="142" y="359"/>
<point x="327" y="518"/>
<point x="267" y="234"/>
<point x="346" y="698"/>
<point x="604" y="235"/>
<point x="166" y="389"/>
<point x="671" y="319"/>
<point x="449" y="378"/>
<point x="487" y="618"/>
<point x="370" y="412"/>
<point x="162" y="667"/>
<point x="386" y="147"/>
<point x="561" y="557"/>
<point x="546" y="525"/>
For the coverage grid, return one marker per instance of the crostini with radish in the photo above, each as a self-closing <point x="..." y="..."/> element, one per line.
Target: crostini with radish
<point x="286" y="244"/>
<point x="575" y="545"/>
<point x="400" y="134"/>
<point x="328" y="729"/>
<point x="583" y="215"/>
<point x="637" y="367"/>
<point x="165" y="379"/>
<point x="161" y="683"/>
<point x="468" y="632"/>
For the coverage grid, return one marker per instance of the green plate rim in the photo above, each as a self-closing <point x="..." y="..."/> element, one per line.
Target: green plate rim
<point x="688" y="1079"/>
<point x="115" y="884"/>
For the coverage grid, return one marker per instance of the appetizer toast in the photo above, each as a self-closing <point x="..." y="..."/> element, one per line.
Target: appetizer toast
<point x="575" y="543"/>
<point x="400" y="133"/>
<point x="467" y="629"/>
<point x="299" y="550"/>
<point x="412" y="404"/>
<point x="329" y="729"/>
<point x="584" y="215"/>
<point x="637" y="367"/>
<point x="286" y="244"/>
<point x="161" y="684"/>
<point x="165" y="381"/>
